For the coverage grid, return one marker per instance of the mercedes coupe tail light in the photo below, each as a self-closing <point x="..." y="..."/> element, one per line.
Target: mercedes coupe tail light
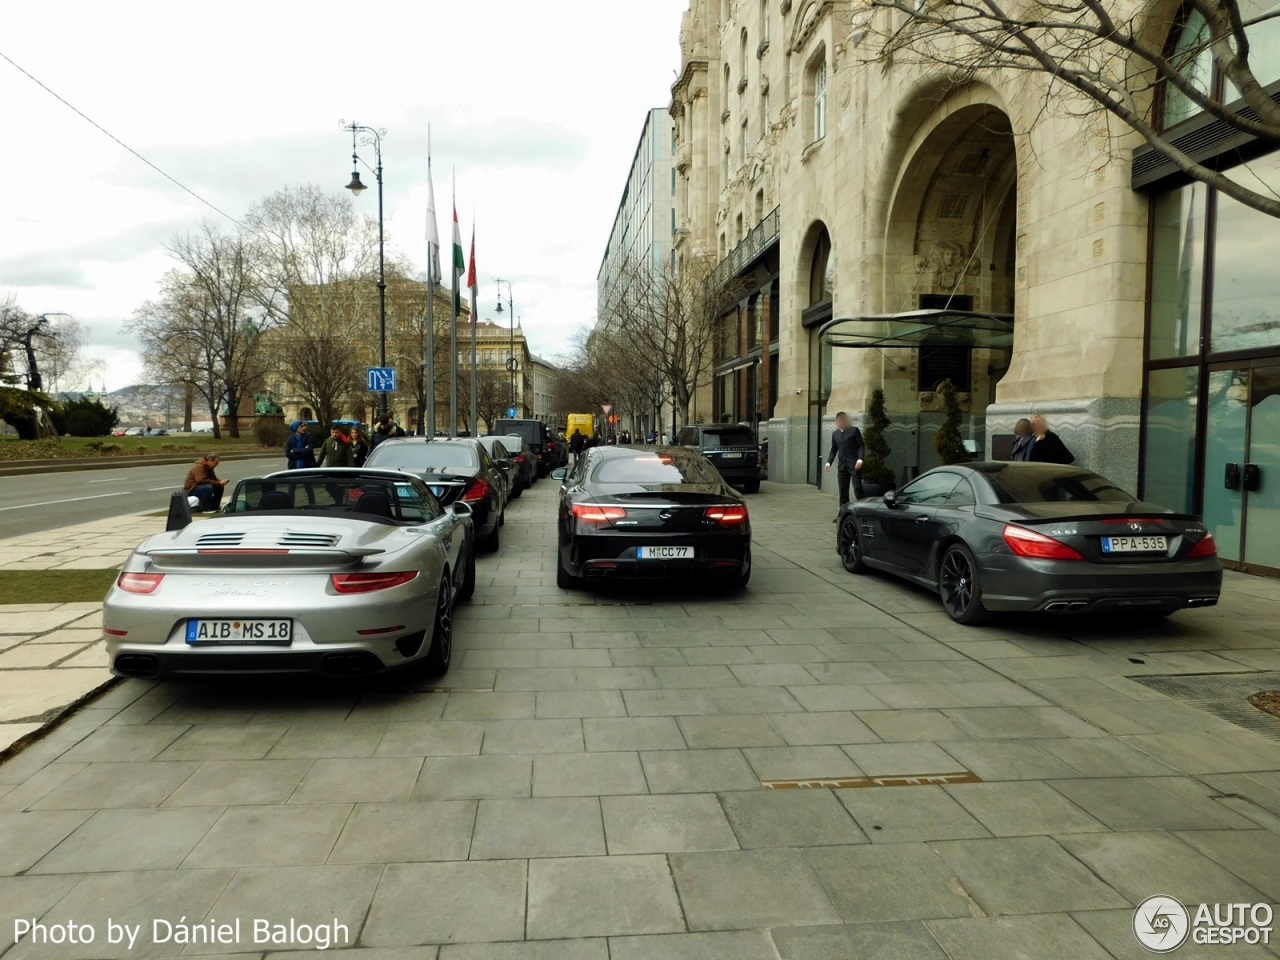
<point x="593" y="513"/>
<point x="139" y="582"/>
<point x="369" y="582"/>
<point x="726" y="516"/>
<point x="518" y="458"/>
<point x="1029" y="543"/>
<point x="479" y="490"/>
<point x="1204" y="547"/>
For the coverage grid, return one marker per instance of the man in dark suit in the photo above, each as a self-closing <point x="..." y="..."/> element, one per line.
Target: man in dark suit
<point x="1047" y="446"/>
<point x="848" y="449"/>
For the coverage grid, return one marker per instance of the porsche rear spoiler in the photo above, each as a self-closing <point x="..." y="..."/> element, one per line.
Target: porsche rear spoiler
<point x="261" y="556"/>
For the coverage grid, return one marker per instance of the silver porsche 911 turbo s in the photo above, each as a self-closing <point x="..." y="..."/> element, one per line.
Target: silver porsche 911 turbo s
<point x="1032" y="536"/>
<point x="336" y="572"/>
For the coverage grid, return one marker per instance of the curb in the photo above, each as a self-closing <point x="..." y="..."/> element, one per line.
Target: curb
<point x="18" y="468"/>
<point x="61" y="716"/>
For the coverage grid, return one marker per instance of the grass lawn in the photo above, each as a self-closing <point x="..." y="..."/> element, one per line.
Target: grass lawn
<point x="11" y="448"/>
<point x="55" y="586"/>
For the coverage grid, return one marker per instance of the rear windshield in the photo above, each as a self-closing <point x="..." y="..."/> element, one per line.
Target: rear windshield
<point x="368" y="499"/>
<point x="513" y="442"/>
<point x="529" y="432"/>
<point x="656" y="468"/>
<point x="418" y="456"/>
<point x="727" y="437"/>
<point x="1050" y="484"/>
<point x="493" y="443"/>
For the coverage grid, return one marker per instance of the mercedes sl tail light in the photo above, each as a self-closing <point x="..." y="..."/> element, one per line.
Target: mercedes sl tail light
<point x="1029" y="543"/>
<point x="1204" y="547"/>
<point x="726" y="516"/>
<point x="369" y="582"/>
<point x="518" y="458"/>
<point x="479" y="490"/>
<point x="139" y="582"/>
<point x="592" y="513"/>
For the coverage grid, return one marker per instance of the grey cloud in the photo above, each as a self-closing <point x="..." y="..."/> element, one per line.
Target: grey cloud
<point x="65" y="267"/>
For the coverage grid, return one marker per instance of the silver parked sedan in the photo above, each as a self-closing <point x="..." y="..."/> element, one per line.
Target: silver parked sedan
<point x="334" y="572"/>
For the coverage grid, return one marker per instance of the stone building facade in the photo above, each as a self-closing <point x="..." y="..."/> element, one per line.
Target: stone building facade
<point x="1141" y="311"/>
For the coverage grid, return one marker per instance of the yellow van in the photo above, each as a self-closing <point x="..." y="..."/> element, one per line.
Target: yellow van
<point x="585" y="423"/>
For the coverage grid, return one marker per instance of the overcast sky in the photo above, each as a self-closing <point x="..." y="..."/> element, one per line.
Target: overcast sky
<point x="539" y="107"/>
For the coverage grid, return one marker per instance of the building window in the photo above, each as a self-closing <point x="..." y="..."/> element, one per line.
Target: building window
<point x="1177" y="272"/>
<point x="742" y="59"/>
<point x="764" y="21"/>
<point x="821" y="271"/>
<point x="764" y="107"/>
<point x="726" y="88"/>
<point x="820" y="99"/>
<point x="1193" y="59"/>
<point x="759" y="205"/>
<point x="726" y="165"/>
<point x="746" y="145"/>
<point x="740" y="228"/>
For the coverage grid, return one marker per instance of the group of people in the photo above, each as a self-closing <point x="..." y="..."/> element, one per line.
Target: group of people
<point x="346" y="446"/>
<point x="1033" y="442"/>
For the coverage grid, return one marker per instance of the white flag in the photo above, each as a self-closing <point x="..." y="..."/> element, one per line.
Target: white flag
<point x="433" y="231"/>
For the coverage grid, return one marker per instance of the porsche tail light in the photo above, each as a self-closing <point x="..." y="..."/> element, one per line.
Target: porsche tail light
<point x="139" y="582"/>
<point x="369" y="582"/>
<point x="726" y="516"/>
<point x="479" y="490"/>
<point x="1029" y="543"/>
<point x="592" y="513"/>
<point x="1204" y="547"/>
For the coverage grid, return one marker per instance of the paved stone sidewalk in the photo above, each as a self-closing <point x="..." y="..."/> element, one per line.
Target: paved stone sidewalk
<point x="52" y="655"/>
<point x="589" y="781"/>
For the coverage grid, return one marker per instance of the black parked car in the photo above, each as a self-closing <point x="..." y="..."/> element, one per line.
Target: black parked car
<point x="1032" y="536"/>
<point x="649" y="513"/>
<point x="508" y="469"/>
<point x="524" y="458"/>
<point x="731" y="448"/>
<point x="454" y="470"/>
<point x="538" y="436"/>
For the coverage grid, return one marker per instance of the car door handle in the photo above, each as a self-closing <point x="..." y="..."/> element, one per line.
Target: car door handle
<point x="922" y="519"/>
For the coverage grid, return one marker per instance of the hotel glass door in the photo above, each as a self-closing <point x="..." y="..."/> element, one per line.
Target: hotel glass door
<point x="1242" y="462"/>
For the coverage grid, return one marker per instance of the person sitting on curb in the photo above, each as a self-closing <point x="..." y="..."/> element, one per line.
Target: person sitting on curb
<point x="203" y="483"/>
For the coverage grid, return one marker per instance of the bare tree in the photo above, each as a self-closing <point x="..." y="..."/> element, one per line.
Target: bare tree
<point x="493" y="394"/>
<point x="1094" y="56"/>
<point x="318" y="257"/>
<point x="206" y="327"/>
<point x="659" y="326"/>
<point x="31" y="347"/>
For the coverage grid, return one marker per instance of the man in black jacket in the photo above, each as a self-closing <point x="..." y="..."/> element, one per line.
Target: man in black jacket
<point x="848" y="448"/>
<point x="1047" y="446"/>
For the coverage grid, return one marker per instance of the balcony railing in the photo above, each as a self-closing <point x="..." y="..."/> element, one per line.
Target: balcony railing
<point x="759" y="239"/>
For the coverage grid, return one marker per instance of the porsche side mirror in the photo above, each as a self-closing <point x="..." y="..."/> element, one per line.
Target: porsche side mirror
<point x="890" y="498"/>
<point x="559" y="473"/>
<point x="461" y="509"/>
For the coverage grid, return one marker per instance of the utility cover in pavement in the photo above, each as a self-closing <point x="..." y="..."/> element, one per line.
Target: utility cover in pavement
<point x="1225" y="695"/>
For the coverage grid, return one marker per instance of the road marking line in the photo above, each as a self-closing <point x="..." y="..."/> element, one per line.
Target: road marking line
<point x="49" y="503"/>
<point x="111" y="480"/>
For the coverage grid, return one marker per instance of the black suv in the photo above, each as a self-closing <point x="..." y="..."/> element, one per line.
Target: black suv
<point x="539" y="438"/>
<point x="731" y="448"/>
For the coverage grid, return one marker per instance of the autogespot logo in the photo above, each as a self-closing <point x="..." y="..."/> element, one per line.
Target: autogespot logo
<point x="1161" y="923"/>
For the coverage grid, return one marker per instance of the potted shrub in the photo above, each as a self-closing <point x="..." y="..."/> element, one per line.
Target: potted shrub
<point x="877" y="475"/>
<point x="948" y="441"/>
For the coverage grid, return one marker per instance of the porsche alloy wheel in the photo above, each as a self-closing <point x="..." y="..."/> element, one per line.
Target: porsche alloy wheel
<point x="441" y="651"/>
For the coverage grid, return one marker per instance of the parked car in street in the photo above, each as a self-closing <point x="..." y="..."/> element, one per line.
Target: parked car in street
<point x="454" y="470"/>
<point x="538" y="436"/>
<point x="335" y="572"/>
<point x="524" y="458"/>
<point x="508" y="469"/>
<point x="1032" y="536"/>
<point x="731" y="448"/>
<point x="662" y="513"/>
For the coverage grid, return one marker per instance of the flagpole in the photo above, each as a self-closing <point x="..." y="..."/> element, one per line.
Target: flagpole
<point x="433" y="277"/>
<point x="475" y="320"/>
<point x="453" y="328"/>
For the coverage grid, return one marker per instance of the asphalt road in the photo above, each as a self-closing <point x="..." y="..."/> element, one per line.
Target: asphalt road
<point x="46" y="501"/>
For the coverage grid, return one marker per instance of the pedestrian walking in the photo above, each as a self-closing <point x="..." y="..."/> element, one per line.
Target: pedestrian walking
<point x="847" y="451"/>
<point x="1022" y="440"/>
<point x="336" y="451"/>
<point x="202" y="483"/>
<point x="359" y="447"/>
<point x="577" y="443"/>
<point x="1047" y="446"/>
<point x="300" y="448"/>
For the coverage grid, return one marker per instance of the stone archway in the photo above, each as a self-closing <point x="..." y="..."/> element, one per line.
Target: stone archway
<point x="950" y="242"/>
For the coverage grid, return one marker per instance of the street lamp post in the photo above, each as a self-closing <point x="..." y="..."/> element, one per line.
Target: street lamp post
<point x="373" y="138"/>
<point x="512" y="365"/>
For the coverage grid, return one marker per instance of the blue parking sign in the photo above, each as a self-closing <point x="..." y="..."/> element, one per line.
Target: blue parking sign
<point x="382" y="379"/>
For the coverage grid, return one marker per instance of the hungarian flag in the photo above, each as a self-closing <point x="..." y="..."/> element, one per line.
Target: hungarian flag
<point x="459" y="263"/>
<point x="473" y="281"/>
